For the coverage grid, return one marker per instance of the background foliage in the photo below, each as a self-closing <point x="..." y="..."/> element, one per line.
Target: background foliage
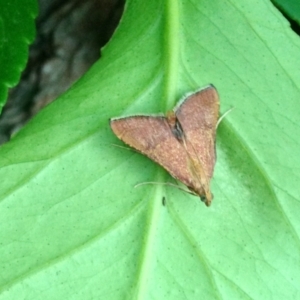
<point x="16" y="33"/>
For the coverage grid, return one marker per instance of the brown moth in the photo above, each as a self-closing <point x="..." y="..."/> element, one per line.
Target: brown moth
<point x="183" y="142"/>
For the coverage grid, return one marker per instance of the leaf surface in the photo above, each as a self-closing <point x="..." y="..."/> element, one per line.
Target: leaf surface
<point x="74" y="226"/>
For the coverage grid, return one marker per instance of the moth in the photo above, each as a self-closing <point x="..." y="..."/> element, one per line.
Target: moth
<point x="182" y="142"/>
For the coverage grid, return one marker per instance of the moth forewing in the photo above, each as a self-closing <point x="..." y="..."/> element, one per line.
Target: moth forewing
<point x="183" y="142"/>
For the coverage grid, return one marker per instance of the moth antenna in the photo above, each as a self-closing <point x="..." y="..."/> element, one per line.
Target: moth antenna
<point x="123" y="147"/>
<point x="224" y="115"/>
<point x="166" y="183"/>
<point x="180" y="136"/>
<point x="195" y="173"/>
<point x="187" y="152"/>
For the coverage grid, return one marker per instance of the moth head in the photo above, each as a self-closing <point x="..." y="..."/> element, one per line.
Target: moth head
<point x="207" y="198"/>
<point x="203" y="192"/>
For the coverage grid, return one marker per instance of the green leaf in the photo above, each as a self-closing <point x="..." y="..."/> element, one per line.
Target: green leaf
<point x="74" y="226"/>
<point x="16" y="33"/>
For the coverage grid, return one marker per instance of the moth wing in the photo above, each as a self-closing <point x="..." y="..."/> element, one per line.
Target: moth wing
<point x="152" y="136"/>
<point x="198" y="116"/>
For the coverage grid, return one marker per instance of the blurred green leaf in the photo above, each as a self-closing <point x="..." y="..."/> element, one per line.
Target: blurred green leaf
<point x="17" y="30"/>
<point x="74" y="226"/>
<point x="290" y="7"/>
